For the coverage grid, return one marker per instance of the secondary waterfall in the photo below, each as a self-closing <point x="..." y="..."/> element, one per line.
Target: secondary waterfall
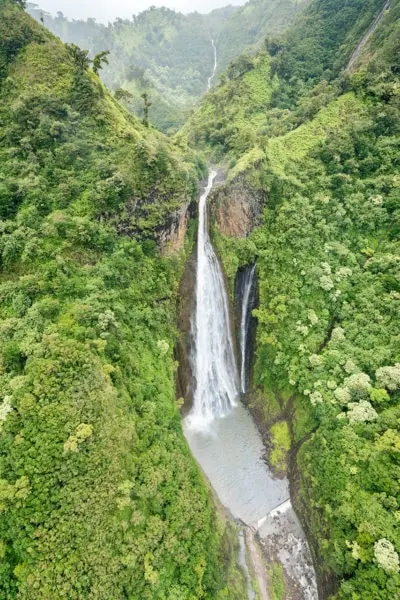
<point x="245" y="322"/>
<point x="216" y="379"/>
<point x="209" y="81"/>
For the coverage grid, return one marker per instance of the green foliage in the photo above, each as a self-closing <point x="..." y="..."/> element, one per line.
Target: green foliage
<point x="100" y="59"/>
<point x="326" y="156"/>
<point x="146" y="107"/>
<point x="277" y="581"/>
<point x="99" y="495"/>
<point x="79" y="58"/>
<point x="15" y="33"/>
<point x="121" y="94"/>
<point x="229" y="118"/>
<point x="319" y="44"/>
<point x="280" y="442"/>
<point x="169" y="55"/>
<point x="249" y="24"/>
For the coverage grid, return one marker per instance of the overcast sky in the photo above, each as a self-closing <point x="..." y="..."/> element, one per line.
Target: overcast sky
<point x="108" y="10"/>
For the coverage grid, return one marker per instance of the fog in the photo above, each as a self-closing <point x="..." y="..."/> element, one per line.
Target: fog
<point x="104" y="10"/>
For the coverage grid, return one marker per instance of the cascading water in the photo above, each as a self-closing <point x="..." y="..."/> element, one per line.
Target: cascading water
<point x="209" y="81"/>
<point x="245" y="322"/>
<point x="230" y="449"/>
<point x="213" y="359"/>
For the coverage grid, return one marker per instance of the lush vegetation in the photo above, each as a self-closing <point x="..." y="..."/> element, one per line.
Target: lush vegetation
<point x="99" y="495"/>
<point x="168" y="54"/>
<point x="324" y="145"/>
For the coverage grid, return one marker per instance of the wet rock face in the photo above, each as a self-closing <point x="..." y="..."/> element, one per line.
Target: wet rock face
<point x="241" y="280"/>
<point x="185" y="310"/>
<point x="171" y="237"/>
<point x="283" y="540"/>
<point x="236" y="208"/>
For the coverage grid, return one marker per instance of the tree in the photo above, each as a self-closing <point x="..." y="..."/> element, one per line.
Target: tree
<point x="240" y="66"/>
<point x="79" y="57"/>
<point x="146" y="107"/>
<point x="121" y="94"/>
<point x="99" y="59"/>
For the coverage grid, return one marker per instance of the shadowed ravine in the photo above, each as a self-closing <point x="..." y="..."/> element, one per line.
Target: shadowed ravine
<point x="222" y="434"/>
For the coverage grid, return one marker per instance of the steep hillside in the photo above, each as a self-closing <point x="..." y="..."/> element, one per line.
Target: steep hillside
<point x="320" y="44"/>
<point x="169" y="54"/>
<point x="321" y="145"/>
<point x="99" y="496"/>
<point x="249" y="24"/>
<point x="286" y="83"/>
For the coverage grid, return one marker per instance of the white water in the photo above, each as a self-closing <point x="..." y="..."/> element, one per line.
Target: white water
<point x="223" y="436"/>
<point x="244" y="326"/>
<point x="209" y="82"/>
<point x="216" y="379"/>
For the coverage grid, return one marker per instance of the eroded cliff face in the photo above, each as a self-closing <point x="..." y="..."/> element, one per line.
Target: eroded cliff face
<point x="185" y="309"/>
<point x="171" y="237"/>
<point x="170" y="231"/>
<point x="236" y="207"/>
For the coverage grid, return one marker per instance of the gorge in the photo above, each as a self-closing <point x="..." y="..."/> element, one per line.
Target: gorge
<point x="200" y="392"/>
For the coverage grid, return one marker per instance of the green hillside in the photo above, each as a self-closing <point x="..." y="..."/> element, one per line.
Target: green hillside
<point x="99" y="495"/>
<point x="169" y="54"/>
<point x="323" y="144"/>
<point x="250" y="23"/>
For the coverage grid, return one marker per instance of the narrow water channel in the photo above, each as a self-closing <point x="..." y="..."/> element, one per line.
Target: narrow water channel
<point x="209" y="81"/>
<point x="248" y="298"/>
<point x="222" y="434"/>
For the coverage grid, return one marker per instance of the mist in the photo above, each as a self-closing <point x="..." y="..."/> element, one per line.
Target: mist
<point x="104" y="10"/>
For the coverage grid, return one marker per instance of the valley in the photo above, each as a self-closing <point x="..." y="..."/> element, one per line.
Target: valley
<point x="199" y="341"/>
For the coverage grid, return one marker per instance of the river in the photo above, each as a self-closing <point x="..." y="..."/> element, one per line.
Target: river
<point x="222" y="434"/>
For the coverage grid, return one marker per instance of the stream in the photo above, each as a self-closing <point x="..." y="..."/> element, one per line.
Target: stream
<point x="223" y="436"/>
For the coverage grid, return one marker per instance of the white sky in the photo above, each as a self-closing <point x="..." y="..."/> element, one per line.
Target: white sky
<point x="108" y="10"/>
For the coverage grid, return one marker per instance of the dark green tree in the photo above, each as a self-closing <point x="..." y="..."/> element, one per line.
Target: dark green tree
<point x="99" y="60"/>
<point x="79" y="57"/>
<point x="146" y="107"/>
<point x="121" y="94"/>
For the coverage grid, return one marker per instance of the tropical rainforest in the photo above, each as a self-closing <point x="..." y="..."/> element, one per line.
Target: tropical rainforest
<point x="169" y="55"/>
<point x="322" y="143"/>
<point x="99" y="494"/>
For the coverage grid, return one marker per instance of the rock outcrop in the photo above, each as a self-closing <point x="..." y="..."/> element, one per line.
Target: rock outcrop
<point x="236" y="208"/>
<point x="185" y="309"/>
<point x="171" y="237"/>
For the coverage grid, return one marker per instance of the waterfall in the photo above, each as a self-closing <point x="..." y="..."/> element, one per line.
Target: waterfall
<point x="247" y="301"/>
<point x="209" y="81"/>
<point x="230" y="450"/>
<point x="213" y="358"/>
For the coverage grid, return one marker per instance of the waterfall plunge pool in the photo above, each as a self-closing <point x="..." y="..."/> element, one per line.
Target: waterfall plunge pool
<point x="230" y="451"/>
